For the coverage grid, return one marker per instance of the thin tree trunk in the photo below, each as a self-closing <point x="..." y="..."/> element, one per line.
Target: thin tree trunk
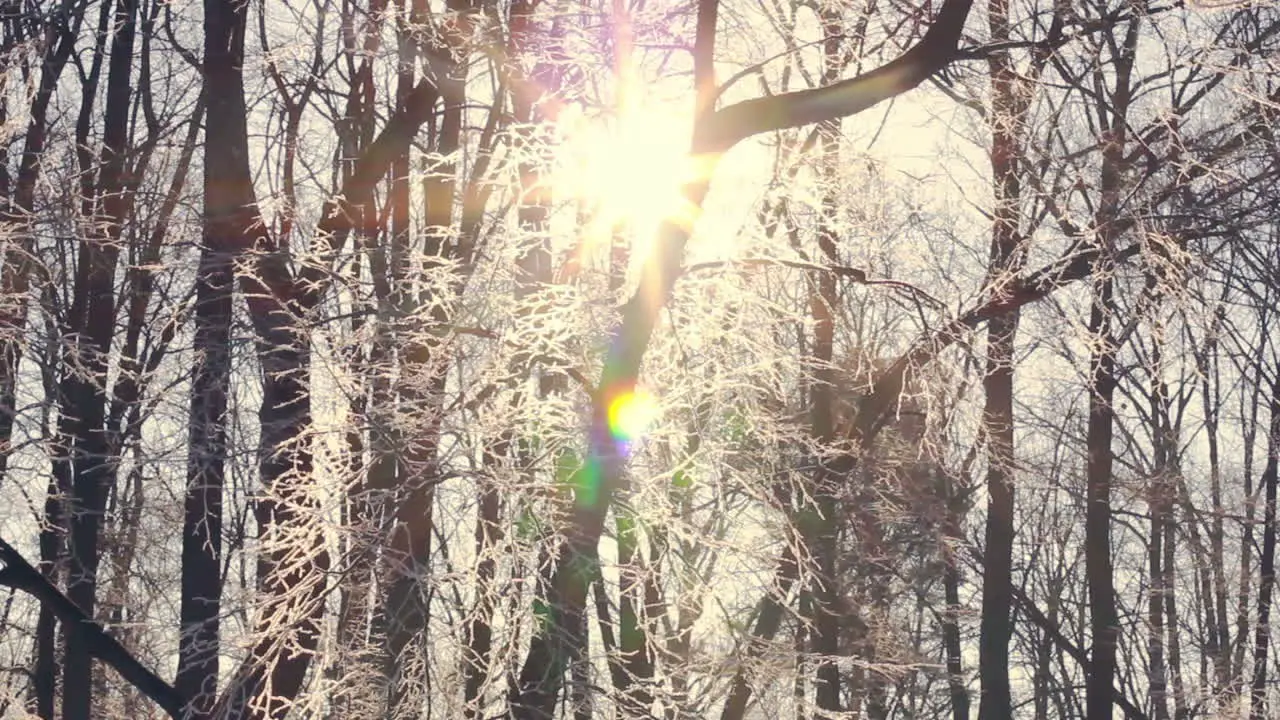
<point x="15" y="285"/>
<point x="997" y="618"/>
<point x="581" y="693"/>
<point x="1161" y="491"/>
<point x="1011" y="98"/>
<point x="799" y="690"/>
<point x="1247" y="542"/>
<point x="1219" y="648"/>
<point x="1172" y="622"/>
<point x="127" y="512"/>
<point x="480" y="627"/>
<point x="953" y="648"/>
<point x="1157" y="685"/>
<point x="52" y="546"/>
<point x="1267" y="563"/>
<point x="824" y="303"/>
<point x="93" y="315"/>
<point x="1104" y="620"/>
<point x="768" y="620"/>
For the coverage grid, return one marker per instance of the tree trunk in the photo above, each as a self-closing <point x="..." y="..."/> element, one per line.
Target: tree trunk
<point x="1267" y="563"/>
<point x="953" y="648"/>
<point x="480" y="628"/>
<point x="200" y="609"/>
<point x="406" y="606"/>
<point x="15" y="285"/>
<point x="291" y="574"/>
<point x="93" y="316"/>
<point x="1161" y="492"/>
<point x="1011" y="97"/>
<point x="822" y="532"/>
<point x="1104" y="620"/>
<point x="1174" y="643"/>
<point x="1157" y="685"/>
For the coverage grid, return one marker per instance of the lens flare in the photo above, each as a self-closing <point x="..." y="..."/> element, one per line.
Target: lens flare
<point x="630" y="415"/>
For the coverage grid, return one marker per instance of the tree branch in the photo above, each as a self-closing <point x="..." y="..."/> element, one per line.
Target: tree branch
<point x="875" y="407"/>
<point x="735" y="123"/>
<point x="20" y="575"/>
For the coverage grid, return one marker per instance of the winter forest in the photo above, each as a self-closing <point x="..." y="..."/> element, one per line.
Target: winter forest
<point x="670" y="359"/>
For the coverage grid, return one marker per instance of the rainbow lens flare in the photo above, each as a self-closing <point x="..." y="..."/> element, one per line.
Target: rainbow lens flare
<point x="630" y="415"/>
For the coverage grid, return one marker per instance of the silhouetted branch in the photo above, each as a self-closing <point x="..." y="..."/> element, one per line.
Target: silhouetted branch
<point x="20" y="575"/>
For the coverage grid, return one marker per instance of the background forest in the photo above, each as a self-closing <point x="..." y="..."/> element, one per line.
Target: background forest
<point x="638" y="359"/>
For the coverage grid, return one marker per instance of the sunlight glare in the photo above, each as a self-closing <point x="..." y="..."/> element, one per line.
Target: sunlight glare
<point x="631" y="414"/>
<point x="628" y="169"/>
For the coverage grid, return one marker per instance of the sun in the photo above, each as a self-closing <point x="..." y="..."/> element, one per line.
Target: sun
<point x="627" y="167"/>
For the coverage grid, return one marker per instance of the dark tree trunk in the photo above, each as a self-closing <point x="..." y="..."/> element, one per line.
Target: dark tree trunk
<point x="1247" y="540"/>
<point x="15" y="285"/>
<point x="45" y="670"/>
<point x="824" y="306"/>
<point x="198" y="648"/>
<point x="1174" y="643"/>
<point x="1267" y="563"/>
<point x="92" y="317"/>
<point x="290" y="587"/>
<point x="1217" y="536"/>
<point x="480" y="628"/>
<point x="1104" y="621"/>
<point x="1161" y="490"/>
<point x="951" y="579"/>
<point x="1011" y="96"/>
<point x="406" y="603"/>
<point x="997" y="601"/>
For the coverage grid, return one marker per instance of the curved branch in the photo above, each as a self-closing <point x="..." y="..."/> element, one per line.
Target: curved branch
<point x="727" y="127"/>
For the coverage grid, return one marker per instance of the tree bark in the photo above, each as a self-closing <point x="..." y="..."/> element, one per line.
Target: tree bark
<point x="405" y="604"/>
<point x="291" y="607"/>
<point x="824" y="303"/>
<point x="1267" y="563"/>
<point x="951" y="579"/>
<point x="1012" y="94"/>
<point x="1159" y="502"/>
<point x="92" y="317"/>
<point x="200" y="609"/>
<point x="1104" y="620"/>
